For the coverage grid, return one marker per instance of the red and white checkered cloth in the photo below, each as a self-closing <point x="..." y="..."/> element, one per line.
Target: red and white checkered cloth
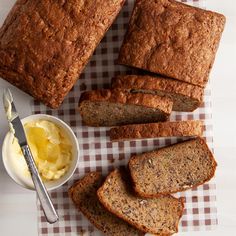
<point x="98" y="153"/>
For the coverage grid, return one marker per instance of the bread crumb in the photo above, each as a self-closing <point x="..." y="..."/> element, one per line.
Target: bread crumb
<point x="142" y="202"/>
<point x="187" y="186"/>
<point x="150" y="163"/>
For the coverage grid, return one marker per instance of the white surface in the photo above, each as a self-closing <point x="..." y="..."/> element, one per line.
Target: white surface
<point x="17" y="205"/>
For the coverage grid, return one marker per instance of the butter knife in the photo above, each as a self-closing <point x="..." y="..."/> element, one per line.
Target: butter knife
<point x="17" y="128"/>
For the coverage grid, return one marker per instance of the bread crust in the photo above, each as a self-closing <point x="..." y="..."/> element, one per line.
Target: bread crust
<point x="45" y="45"/>
<point x="100" y="196"/>
<point x="90" y="179"/>
<point x="125" y="97"/>
<point x="154" y="130"/>
<point x="84" y="180"/>
<point x="142" y="194"/>
<point x="173" y="39"/>
<point x="147" y="82"/>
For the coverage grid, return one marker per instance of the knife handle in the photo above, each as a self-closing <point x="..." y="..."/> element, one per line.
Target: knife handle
<point x="46" y="203"/>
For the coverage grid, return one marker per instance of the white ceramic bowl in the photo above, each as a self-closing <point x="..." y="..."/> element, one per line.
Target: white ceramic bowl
<point x="50" y="185"/>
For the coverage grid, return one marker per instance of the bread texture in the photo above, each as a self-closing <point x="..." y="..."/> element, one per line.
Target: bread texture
<point x="45" y="45"/>
<point x="186" y="97"/>
<point x="84" y="195"/>
<point x="118" y="107"/>
<point x="159" y="216"/>
<point x="172" y="169"/>
<point x="157" y="130"/>
<point x="172" y="39"/>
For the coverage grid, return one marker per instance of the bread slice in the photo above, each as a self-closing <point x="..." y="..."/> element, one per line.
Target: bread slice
<point x="158" y="215"/>
<point x="155" y="130"/>
<point x="186" y="97"/>
<point x="118" y="107"/>
<point x="84" y="195"/>
<point x="172" y="169"/>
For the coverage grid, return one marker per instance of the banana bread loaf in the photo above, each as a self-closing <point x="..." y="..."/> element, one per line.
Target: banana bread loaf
<point x="45" y="45"/>
<point x="172" y="39"/>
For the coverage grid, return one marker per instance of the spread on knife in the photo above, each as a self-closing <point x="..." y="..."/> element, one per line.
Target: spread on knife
<point x="50" y="147"/>
<point x="7" y="101"/>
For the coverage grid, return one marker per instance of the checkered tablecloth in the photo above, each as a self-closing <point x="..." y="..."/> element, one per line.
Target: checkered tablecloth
<point x="98" y="153"/>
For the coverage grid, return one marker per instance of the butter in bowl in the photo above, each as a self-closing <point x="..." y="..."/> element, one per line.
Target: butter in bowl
<point x="54" y="147"/>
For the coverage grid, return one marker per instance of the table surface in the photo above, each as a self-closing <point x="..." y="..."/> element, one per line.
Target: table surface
<point x="18" y="214"/>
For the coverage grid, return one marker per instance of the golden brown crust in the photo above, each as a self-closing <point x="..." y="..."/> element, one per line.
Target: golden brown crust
<point x="85" y="180"/>
<point x="172" y="39"/>
<point x="142" y="194"/>
<point x="125" y="97"/>
<point x="146" y="82"/>
<point x="161" y="129"/>
<point x="45" y="45"/>
<point x="120" y="215"/>
<point x="85" y="190"/>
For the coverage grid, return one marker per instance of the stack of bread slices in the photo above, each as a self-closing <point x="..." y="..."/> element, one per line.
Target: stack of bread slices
<point x="140" y="106"/>
<point x="137" y="200"/>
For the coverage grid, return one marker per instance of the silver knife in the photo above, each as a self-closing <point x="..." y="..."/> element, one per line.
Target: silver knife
<point x="18" y="130"/>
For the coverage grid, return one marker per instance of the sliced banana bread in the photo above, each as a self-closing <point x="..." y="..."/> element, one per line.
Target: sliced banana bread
<point x="185" y="96"/>
<point x="84" y="195"/>
<point x="158" y="215"/>
<point x="119" y="107"/>
<point x="154" y="130"/>
<point x="172" y="169"/>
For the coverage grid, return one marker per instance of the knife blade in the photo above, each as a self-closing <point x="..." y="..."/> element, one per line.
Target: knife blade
<point x="17" y="128"/>
<point x="13" y="117"/>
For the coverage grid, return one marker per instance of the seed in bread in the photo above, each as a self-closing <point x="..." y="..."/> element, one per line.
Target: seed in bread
<point x="118" y="107"/>
<point x="157" y="130"/>
<point x="172" y="169"/>
<point x="158" y="215"/>
<point x="172" y="39"/>
<point x="84" y="195"/>
<point x="186" y="97"/>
